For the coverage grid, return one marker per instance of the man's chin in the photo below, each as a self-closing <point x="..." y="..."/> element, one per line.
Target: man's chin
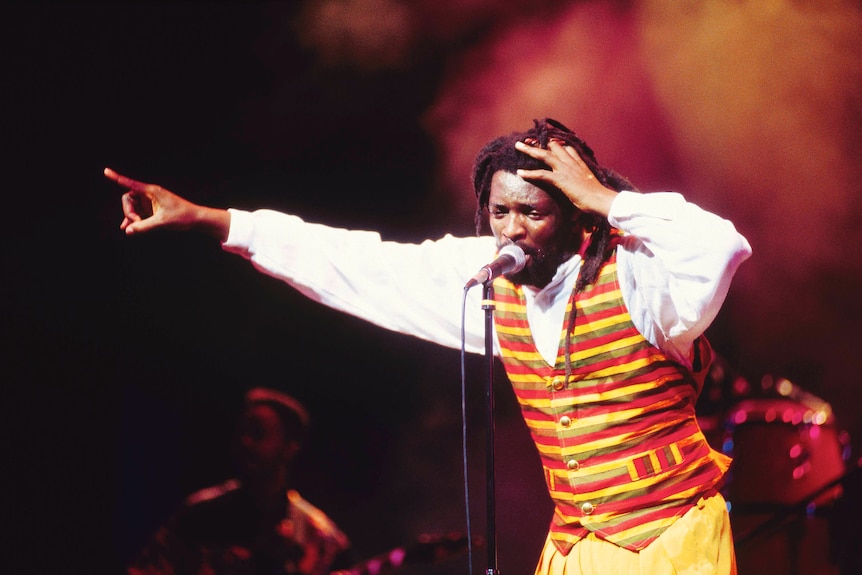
<point x="530" y="278"/>
<point x="540" y="269"/>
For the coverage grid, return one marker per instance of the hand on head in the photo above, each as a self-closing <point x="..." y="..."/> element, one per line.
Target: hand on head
<point x="147" y="207"/>
<point x="569" y="174"/>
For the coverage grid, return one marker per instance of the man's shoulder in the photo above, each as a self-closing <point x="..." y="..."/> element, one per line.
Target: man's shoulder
<point x="302" y="510"/>
<point x="211" y="513"/>
<point x="214" y="493"/>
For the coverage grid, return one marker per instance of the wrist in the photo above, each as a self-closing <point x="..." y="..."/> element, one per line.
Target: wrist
<point x="601" y="202"/>
<point x="213" y="222"/>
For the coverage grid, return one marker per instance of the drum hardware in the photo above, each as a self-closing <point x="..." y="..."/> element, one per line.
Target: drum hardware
<point x="805" y="508"/>
<point x="789" y="468"/>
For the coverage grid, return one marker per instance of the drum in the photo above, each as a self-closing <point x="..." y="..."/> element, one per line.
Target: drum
<point x="787" y="458"/>
<point x="784" y="452"/>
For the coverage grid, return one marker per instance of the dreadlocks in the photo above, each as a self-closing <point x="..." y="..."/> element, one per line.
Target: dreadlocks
<point x="500" y="154"/>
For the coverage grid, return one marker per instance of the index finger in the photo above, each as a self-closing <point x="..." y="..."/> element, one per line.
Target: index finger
<point x="572" y="153"/>
<point x="531" y="149"/>
<point x="129" y="183"/>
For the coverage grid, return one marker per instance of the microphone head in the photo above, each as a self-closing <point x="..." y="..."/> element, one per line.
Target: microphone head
<point x="517" y="254"/>
<point x="510" y="259"/>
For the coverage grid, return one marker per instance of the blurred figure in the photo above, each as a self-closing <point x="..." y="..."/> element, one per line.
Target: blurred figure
<point x="254" y="523"/>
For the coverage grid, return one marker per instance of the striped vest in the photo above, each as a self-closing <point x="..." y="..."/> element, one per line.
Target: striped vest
<point x="622" y="452"/>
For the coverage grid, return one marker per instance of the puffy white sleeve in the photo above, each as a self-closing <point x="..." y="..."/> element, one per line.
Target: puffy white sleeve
<point x="675" y="265"/>
<point x="415" y="289"/>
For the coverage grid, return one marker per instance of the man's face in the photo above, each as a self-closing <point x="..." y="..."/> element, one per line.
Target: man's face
<point x="523" y="214"/>
<point x="260" y="444"/>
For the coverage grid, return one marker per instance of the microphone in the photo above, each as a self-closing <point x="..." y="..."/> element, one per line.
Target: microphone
<point x="510" y="259"/>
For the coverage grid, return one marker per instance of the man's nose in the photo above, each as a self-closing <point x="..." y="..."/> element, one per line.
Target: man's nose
<point x="514" y="227"/>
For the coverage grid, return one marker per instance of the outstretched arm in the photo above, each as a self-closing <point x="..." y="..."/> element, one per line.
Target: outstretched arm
<point x="148" y="207"/>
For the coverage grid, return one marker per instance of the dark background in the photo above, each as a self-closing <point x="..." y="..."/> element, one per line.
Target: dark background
<point x="125" y="359"/>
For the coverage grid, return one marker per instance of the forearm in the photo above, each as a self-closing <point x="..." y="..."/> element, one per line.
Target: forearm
<point x="414" y="289"/>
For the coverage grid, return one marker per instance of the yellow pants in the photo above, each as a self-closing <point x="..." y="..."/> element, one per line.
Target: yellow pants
<point x="698" y="543"/>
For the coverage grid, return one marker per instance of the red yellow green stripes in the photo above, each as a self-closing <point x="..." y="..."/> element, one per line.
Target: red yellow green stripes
<point x="622" y="451"/>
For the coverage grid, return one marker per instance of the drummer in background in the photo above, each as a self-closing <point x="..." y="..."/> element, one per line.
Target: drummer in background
<point x="256" y="522"/>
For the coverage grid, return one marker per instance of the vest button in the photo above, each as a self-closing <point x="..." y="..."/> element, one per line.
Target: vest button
<point x="573" y="464"/>
<point x="558" y="383"/>
<point x="565" y="421"/>
<point x="587" y="508"/>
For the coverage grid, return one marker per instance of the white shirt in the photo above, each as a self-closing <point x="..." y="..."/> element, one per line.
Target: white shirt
<point x="674" y="264"/>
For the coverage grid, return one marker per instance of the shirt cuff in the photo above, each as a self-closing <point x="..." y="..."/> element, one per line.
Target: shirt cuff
<point x="239" y="234"/>
<point x="623" y="206"/>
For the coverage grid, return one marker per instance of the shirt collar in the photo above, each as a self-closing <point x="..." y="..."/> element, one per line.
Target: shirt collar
<point x="563" y="282"/>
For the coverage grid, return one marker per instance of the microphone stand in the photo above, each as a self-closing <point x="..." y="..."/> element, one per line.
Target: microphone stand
<point x="491" y="526"/>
